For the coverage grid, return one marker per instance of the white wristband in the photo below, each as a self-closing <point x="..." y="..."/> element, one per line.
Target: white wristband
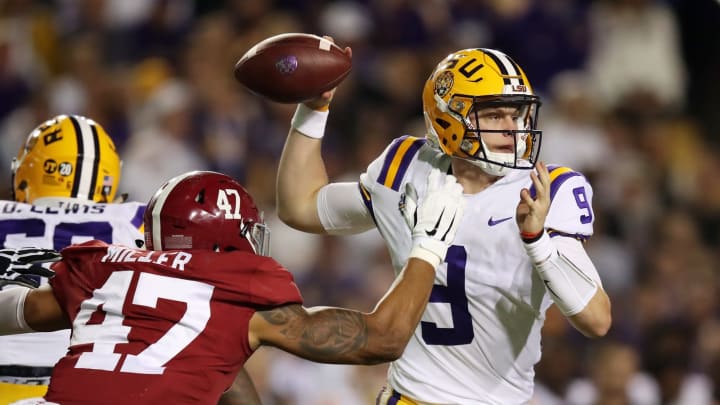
<point x="540" y="250"/>
<point x="421" y="253"/>
<point x="309" y="122"/>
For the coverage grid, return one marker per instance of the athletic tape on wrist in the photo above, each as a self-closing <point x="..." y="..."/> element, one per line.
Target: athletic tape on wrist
<point x="309" y="122"/>
<point x="541" y="249"/>
<point x="421" y="253"/>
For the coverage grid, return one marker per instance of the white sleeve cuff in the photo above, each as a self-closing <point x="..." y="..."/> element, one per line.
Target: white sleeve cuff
<point x="12" y="311"/>
<point x="342" y="210"/>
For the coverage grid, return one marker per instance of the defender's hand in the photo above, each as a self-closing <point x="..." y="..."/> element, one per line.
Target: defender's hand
<point x="17" y="266"/>
<point x="436" y="218"/>
<point x="532" y="212"/>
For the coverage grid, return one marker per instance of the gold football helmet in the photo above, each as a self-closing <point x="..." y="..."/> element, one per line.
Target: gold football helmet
<point x="67" y="156"/>
<point x="467" y="81"/>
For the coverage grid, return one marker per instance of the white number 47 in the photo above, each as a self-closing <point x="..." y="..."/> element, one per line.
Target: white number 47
<point x="232" y="211"/>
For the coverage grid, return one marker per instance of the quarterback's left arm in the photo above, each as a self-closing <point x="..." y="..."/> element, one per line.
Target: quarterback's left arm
<point x="573" y="283"/>
<point x="561" y="262"/>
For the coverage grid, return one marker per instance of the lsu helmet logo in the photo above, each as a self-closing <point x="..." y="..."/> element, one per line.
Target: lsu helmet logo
<point x="444" y="83"/>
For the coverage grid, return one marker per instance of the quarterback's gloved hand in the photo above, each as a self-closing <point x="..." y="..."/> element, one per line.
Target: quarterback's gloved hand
<point x="17" y="266"/>
<point x="435" y="220"/>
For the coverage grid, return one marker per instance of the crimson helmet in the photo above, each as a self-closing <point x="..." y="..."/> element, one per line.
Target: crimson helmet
<point x="204" y="210"/>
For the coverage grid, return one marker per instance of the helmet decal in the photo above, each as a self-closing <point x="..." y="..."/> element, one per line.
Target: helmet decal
<point x="444" y="83"/>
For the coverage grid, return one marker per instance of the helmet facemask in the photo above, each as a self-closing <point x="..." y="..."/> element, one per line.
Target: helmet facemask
<point x="526" y="139"/>
<point x="258" y="235"/>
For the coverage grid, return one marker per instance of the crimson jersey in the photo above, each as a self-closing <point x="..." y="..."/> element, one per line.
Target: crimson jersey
<point x="159" y="327"/>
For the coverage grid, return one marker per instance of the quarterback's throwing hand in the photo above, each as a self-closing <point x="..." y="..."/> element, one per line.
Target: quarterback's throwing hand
<point x="435" y="219"/>
<point x="17" y="266"/>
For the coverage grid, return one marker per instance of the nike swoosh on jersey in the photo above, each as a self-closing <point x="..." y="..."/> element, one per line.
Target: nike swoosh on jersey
<point x="493" y="222"/>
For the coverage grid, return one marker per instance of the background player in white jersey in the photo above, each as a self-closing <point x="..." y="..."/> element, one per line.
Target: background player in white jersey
<point x="480" y="334"/>
<point x="63" y="178"/>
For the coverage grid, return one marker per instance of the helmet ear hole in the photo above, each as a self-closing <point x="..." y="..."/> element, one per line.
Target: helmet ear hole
<point x="444" y="124"/>
<point x="200" y="197"/>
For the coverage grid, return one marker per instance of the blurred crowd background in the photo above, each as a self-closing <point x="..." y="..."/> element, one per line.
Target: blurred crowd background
<point x="629" y="93"/>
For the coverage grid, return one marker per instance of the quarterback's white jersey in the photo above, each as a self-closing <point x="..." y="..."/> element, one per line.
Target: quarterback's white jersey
<point x="479" y="337"/>
<point x="56" y="227"/>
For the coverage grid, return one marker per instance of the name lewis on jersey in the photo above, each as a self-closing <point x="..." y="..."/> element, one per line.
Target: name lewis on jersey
<point x="176" y="260"/>
<point x="65" y="208"/>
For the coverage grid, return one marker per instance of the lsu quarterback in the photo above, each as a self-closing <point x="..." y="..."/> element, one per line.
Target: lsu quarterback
<point x="518" y="251"/>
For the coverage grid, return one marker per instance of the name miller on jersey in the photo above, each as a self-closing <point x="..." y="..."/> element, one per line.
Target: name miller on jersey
<point x="117" y="254"/>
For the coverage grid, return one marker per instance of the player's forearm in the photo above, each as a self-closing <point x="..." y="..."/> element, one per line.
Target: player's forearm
<point x="301" y="174"/>
<point x="24" y="310"/>
<point x="572" y="282"/>
<point x="43" y="312"/>
<point x="380" y="336"/>
<point x="595" y="319"/>
<point x="398" y="313"/>
<point x="337" y="335"/>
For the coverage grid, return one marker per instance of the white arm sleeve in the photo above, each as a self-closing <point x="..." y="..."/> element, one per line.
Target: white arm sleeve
<point x="12" y="311"/>
<point x="566" y="269"/>
<point x="341" y="209"/>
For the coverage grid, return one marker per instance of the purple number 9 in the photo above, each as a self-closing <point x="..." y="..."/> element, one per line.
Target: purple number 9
<point x="583" y="204"/>
<point x="453" y="294"/>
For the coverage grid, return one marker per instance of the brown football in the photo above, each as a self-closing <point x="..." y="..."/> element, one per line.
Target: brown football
<point x="292" y="68"/>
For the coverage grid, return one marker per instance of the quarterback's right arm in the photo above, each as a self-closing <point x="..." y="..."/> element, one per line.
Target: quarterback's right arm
<point x="305" y="199"/>
<point x="301" y="174"/>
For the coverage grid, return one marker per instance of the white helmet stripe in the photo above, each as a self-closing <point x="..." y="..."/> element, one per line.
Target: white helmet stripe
<point x="506" y="63"/>
<point x="162" y="196"/>
<point x="87" y="147"/>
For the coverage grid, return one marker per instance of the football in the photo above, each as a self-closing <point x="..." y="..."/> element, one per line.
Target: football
<point x="292" y="68"/>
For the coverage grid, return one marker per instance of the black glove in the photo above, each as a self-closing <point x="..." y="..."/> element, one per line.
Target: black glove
<point x="19" y="266"/>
